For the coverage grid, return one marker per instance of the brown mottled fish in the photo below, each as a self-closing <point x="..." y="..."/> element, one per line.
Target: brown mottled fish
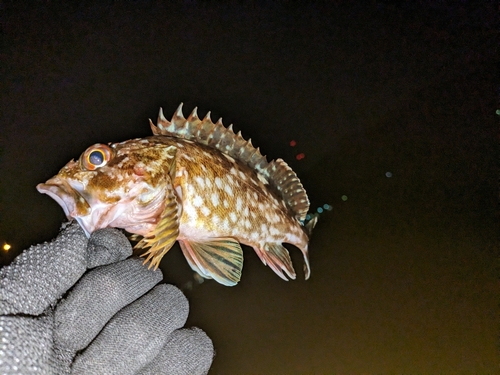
<point x="195" y="182"/>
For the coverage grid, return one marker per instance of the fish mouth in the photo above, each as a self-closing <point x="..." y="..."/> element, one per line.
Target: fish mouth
<point x="73" y="204"/>
<point x="92" y="213"/>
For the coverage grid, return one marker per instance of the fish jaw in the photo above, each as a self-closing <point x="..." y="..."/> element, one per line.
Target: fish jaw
<point x="76" y="207"/>
<point x="73" y="204"/>
<point x="92" y="213"/>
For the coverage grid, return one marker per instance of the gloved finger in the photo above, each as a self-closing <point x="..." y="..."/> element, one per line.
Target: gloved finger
<point x="187" y="352"/>
<point x="107" y="246"/>
<point x="43" y="273"/>
<point x="135" y="335"/>
<point x="25" y="344"/>
<point x="98" y="296"/>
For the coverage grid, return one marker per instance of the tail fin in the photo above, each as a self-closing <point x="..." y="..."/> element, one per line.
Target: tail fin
<point x="304" y="247"/>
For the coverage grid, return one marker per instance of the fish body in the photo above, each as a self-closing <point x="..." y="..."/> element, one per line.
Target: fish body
<point x="196" y="182"/>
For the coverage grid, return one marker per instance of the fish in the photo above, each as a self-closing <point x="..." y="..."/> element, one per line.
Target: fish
<point x="195" y="182"/>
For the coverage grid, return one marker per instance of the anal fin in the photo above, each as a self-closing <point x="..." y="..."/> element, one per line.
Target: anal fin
<point x="277" y="258"/>
<point x="220" y="259"/>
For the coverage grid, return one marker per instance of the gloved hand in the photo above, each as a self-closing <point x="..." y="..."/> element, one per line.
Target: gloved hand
<point x="108" y="323"/>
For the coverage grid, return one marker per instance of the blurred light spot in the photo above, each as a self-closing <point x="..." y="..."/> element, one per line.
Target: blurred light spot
<point x="327" y="207"/>
<point x="300" y="156"/>
<point x="344" y="197"/>
<point x="320" y="210"/>
<point x="308" y="217"/>
<point x="293" y="143"/>
<point x="198" y="278"/>
<point x="188" y="286"/>
<point x="6" y="247"/>
<point x="498" y="112"/>
<point x="388" y="174"/>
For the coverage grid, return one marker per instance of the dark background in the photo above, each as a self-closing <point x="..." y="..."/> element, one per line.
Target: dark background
<point x="404" y="272"/>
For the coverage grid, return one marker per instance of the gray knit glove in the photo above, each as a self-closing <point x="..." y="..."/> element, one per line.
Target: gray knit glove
<point x="112" y="321"/>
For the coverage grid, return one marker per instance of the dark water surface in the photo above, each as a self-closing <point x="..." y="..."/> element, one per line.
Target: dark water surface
<point x="393" y="107"/>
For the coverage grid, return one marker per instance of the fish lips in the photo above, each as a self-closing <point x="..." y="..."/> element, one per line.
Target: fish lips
<point x="73" y="204"/>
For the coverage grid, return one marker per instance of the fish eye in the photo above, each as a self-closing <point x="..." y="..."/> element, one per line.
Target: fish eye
<point x="96" y="156"/>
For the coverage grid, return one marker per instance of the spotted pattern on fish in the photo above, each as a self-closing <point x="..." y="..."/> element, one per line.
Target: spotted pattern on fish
<point x="196" y="182"/>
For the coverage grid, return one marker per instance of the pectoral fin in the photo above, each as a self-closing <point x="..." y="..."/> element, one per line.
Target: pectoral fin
<point x="164" y="235"/>
<point x="220" y="259"/>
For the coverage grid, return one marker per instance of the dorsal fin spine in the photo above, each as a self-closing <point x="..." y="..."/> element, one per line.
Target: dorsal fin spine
<point x="178" y="113"/>
<point x="194" y="115"/>
<point x="154" y="129"/>
<point x="161" y="116"/>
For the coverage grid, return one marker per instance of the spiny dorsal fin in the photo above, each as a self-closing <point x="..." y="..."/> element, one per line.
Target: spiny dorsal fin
<point x="217" y="136"/>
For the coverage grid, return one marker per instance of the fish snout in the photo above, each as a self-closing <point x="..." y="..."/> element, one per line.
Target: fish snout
<point x="73" y="204"/>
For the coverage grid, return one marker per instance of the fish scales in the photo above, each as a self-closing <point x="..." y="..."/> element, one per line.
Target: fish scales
<point x="195" y="182"/>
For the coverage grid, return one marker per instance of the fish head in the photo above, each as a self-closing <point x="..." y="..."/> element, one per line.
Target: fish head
<point x="123" y="185"/>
